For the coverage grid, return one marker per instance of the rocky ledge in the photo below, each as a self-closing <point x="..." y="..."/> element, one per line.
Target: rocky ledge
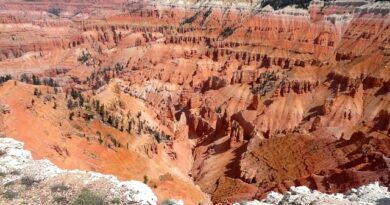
<point x="365" y="195"/>
<point x="24" y="180"/>
<point x="27" y="181"/>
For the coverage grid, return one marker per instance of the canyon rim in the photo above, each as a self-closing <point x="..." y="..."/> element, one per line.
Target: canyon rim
<point x="195" y="101"/>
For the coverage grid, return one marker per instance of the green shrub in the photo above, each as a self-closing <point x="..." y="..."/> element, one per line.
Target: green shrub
<point x="146" y="179"/>
<point x="190" y="20"/>
<point x="279" y="4"/>
<point x="55" y="11"/>
<point x="60" y="200"/>
<point x="168" y="202"/>
<point x="115" y="201"/>
<point x="59" y="188"/>
<point x="27" y="181"/>
<point x="227" y="32"/>
<point x="15" y="172"/>
<point x="9" y="194"/>
<point x="84" y="57"/>
<point x="87" y="197"/>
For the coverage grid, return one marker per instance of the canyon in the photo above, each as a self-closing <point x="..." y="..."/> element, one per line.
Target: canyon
<point x="209" y="102"/>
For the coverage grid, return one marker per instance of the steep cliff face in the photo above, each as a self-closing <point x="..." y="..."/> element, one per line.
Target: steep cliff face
<point x="230" y="98"/>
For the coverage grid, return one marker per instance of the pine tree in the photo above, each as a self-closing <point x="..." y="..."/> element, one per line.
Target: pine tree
<point x="71" y="114"/>
<point x="36" y="92"/>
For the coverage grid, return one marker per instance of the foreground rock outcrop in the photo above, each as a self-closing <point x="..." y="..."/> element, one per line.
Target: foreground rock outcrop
<point x="372" y="194"/>
<point x="35" y="181"/>
<point x="24" y="180"/>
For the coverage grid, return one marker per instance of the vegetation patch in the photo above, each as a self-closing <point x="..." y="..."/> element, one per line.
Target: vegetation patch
<point x="168" y="202"/>
<point x="27" y="181"/>
<point x="3" y="79"/>
<point x="115" y="201"/>
<point x="265" y="83"/>
<point x="207" y="13"/>
<point x="15" y="172"/>
<point x="191" y="19"/>
<point x="9" y="194"/>
<point x="84" y="57"/>
<point x="279" y="4"/>
<point x="59" y="188"/>
<point x="87" y="197"/>
<point x="60" y="200"/>
<point x="55" y="11"/>
<point x="227" y="32"/>
<point x="146" y="179"/>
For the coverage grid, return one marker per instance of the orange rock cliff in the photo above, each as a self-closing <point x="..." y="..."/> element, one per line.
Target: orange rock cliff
<point x="206" y="101"/>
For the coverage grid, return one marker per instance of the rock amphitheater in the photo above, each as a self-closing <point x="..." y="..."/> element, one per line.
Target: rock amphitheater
<point x="195" y="101"/>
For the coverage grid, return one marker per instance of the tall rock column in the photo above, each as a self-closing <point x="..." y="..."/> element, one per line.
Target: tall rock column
<point x="236" y="134"/>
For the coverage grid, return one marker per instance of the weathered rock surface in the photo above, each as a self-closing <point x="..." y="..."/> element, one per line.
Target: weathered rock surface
<point x="17" y="163"/>
<point x="220" y="100"/>
<point x="364" y="195"/>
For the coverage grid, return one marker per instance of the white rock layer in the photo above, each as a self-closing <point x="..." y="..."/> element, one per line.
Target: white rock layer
<point x="372" y="194"/>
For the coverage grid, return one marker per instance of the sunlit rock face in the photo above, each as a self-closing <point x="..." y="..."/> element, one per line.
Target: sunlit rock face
<point x="205" y="101"/>
<point x="17" y="164"/>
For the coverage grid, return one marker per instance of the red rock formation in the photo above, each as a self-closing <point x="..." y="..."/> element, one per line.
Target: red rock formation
<point x="244" y="100"/>
<point x="236" y="134"/>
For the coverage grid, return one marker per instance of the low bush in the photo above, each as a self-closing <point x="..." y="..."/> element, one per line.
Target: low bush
<point x="227" y="32"/>
<point x="54" y="11"/>
<point x="15" y="172"/>
<point x="59" y="188"/>
<point x="84" y="57"/>
<point x="146" y="179"/>
<point x="9" y="194"/>
<point x="87" y="197"/>
<point x="115" y="201"/>
<point x="60" y="200"/>
<point x="168" y="202"/>
<point x="27" y="181"/>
